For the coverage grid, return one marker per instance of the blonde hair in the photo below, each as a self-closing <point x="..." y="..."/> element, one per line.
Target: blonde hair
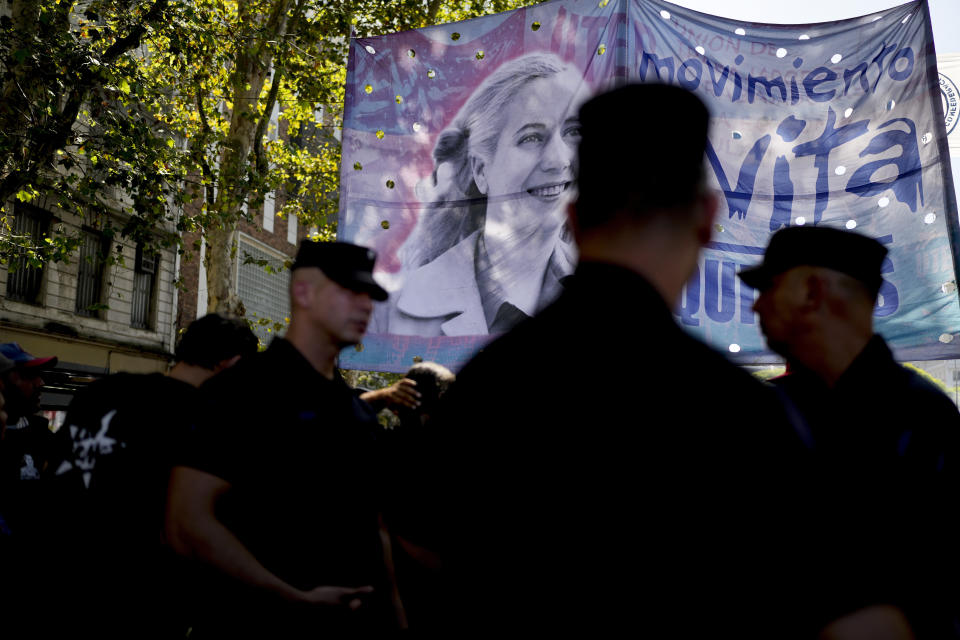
<point x="461" y="208"/>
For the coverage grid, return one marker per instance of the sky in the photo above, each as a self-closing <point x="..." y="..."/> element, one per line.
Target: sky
<point x="945" y="14"/>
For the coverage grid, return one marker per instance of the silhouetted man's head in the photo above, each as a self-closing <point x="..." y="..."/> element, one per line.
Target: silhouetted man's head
<point x="641" y="153"/>
<point x="213" y="339"/>
<point x="815" y="282"/>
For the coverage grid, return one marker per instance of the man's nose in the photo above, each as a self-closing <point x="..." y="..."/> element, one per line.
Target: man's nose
<point x="557" y="154"/>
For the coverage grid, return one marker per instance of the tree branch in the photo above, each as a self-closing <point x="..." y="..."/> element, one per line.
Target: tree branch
<point x="132" y="40"/>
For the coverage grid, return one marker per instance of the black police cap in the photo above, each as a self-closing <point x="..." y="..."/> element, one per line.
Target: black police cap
<point x="348" y="265"/>
<point x="851" y="253"/>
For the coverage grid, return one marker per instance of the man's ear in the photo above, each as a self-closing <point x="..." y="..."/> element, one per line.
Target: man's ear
<point x="479" y="174"/>
<point x="226" y="364"/>
<point x="707" y="206"/>
<point x="301" y="291"/>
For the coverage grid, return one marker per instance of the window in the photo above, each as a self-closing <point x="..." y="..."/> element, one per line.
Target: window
<point x="144" y="277"/>
<point x="265" y="292"/>
<point x="292" y="228"/>
<point x="269" y="211"/>
<point x="93" y="252"/>
<point x="24" y="280"/>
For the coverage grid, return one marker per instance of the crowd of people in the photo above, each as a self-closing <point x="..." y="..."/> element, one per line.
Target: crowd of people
<point x="255" y="494"/>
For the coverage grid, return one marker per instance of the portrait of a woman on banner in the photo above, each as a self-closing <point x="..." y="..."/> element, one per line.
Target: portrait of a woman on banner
<point x="491" y="244"/>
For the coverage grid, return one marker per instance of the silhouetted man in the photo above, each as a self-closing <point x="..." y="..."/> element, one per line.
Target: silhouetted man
<point x="597" y="470"/>
<point x="106" y="486"/>
<point x="884" y="439"/>
<point x="277" y="497"/>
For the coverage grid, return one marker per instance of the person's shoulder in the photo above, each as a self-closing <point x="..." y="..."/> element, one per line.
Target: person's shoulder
<point x="928" y="399"/>
<point x="112" y="390"/>
<point x="248" y="371"/>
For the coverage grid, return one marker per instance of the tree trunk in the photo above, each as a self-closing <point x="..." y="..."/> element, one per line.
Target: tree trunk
<point x="249" y="76"/>
<point x="220" y="260"/>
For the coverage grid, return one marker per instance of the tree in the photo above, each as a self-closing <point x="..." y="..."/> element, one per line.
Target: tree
<point x="69" y="127"/>
<point x="171" y="101"/>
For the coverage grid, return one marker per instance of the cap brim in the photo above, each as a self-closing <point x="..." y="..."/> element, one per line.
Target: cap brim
<point x="40" y="363"/>
<point x="377" y="292"/>
<point x="757" y="277"/>
<point x="363" y="282"/>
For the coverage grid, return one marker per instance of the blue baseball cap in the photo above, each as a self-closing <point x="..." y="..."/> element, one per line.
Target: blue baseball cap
<point x="15" y="353"/>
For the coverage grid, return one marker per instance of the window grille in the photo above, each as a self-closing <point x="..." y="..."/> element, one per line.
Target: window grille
<point x="24" y="280"/>
<point x="93" y="251"/>
<point x="144" y="279"/>
<point x="265" y="295"/>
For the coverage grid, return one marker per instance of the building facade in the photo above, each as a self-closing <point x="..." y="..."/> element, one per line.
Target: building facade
<point x="110" y="307"/>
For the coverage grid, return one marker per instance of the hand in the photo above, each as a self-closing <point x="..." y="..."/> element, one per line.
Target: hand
<point x="349" y="597"/>
<point x="877" y="622"/>
<point x="403" y="393"/>
<point x="400" y="395"/>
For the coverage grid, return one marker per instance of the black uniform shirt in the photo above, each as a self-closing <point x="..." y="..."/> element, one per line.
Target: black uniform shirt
<point x="599" y="469"/>
<point x="885" y="442"/>
<point x="297" y="450"/>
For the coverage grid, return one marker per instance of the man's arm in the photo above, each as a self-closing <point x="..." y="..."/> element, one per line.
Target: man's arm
<point x="401" y="394"/>
<point x="193" y="530"/>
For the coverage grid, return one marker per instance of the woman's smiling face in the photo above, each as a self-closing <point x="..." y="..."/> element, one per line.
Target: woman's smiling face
<point x="529" y="176"/>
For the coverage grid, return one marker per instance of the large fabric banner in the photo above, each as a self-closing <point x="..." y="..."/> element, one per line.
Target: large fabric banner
<point x="459" y="142"/>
